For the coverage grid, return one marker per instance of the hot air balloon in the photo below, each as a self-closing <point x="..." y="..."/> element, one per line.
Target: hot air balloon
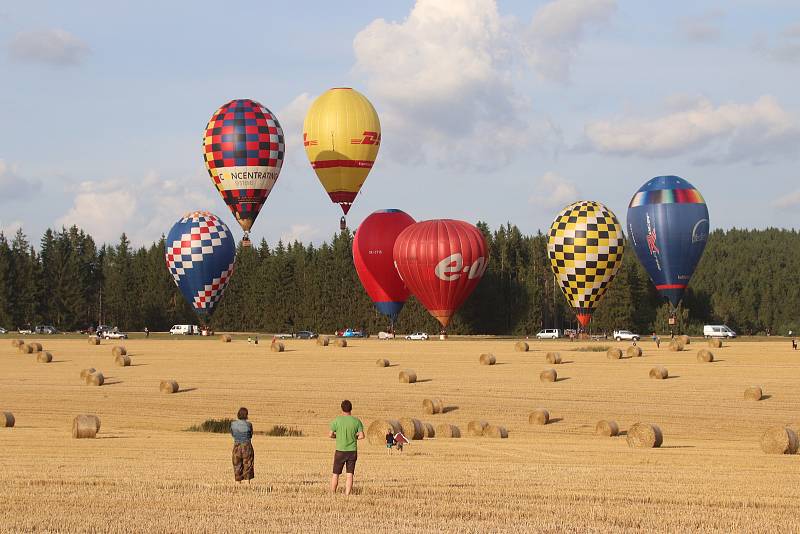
<point x="441" y="262"/>
<point x="200" y="254"/>
<point x="243" y="148"/>
<point x="668" y="226"/>
<point x="585" y="246"/>
<point x="373" y="249"/>
<point x="342" y="135"/>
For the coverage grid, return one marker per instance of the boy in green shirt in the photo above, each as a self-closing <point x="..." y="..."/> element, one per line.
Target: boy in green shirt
<point x="346" y="430"/>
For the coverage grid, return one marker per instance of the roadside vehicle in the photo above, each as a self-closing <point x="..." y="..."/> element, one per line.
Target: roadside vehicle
<point x="352" y="333"/>
<point x="283" y="336"/>
<point x="3" y="330"/>
<point x="718" y="330"/>
<point x="45" y="330"/>
<point x="306" y="334"/>
<point x="625" y="335"/>
<point x="548" y="333"/>
<point x="25" y="330"/>
<point x="385" y="335"/>
<point x="418" y="336"/>
<point x="114" y="333"/>
<point x="184" y="330"/>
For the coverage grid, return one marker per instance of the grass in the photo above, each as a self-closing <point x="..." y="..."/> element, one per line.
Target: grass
<point x="223" y="426"/>
<point x="592" y="348"/>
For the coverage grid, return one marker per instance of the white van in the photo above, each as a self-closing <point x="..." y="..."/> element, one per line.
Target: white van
<point x="184" y="330"/>
<point x="717" y="330"/>
<point x="548" y="333"/>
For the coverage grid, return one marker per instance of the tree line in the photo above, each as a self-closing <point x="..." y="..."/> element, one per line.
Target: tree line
<point x="747" y="279"/>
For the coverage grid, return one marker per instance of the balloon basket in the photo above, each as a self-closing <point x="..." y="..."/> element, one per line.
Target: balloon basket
<point x="342" y="224"/>
<point x="442" y="337"/>
<point x="246" y="242"/>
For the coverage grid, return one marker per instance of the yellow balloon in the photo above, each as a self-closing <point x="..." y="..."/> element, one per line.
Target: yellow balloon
<point x="342" y="134"/>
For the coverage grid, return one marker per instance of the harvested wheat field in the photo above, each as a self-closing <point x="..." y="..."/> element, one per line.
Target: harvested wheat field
<point x="144" y="472"/>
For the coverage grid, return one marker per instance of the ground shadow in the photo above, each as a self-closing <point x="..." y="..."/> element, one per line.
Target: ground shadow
<point x="562" y="378"/>
<point x="623" y="433"/>
<point x="110" y="437"/>
<point x="554" y="420"/>
<point x="670" y="377"/>
<point x="393" y="365"/>
<point x="59" y="361"/>
<point x="677" y="447"/>
<point x="765" y="397"/>
<point x="136" y="364"/>
<point x="448" y="409"/>
<point x="289" y="350"/>
<point x="185" y="390"/>
<point x="112" y="382"/>
<point x="501" y="363"/>
<point x="567" y="361"/>
<point x="425" y="380"/>
<point x="716" y="360"/>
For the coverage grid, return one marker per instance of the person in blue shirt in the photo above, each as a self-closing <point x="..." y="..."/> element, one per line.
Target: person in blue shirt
<point x="243" y="454"/>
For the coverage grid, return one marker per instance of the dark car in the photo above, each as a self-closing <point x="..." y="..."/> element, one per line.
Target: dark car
<point x="306" y="334"/>
<point x="45" y="329"/>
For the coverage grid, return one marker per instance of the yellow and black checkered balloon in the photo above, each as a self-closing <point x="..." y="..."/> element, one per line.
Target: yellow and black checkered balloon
<point x="585" y="247"/>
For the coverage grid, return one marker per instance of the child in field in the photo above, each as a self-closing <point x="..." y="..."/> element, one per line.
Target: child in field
<point x="389" y="441"/>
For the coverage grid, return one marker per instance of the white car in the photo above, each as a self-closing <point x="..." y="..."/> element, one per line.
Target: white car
<point x="418" y="336"/>
<point x="718" y="330"/>
<point x="25" y="331"/>
<point x="114" y="334"/>
<point x="625" y="335"/>
<point x="3" y="330"/>
<point x="548" y="333"/>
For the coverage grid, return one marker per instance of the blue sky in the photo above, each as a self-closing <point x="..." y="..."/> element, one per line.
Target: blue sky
<point x="498" y="111"/>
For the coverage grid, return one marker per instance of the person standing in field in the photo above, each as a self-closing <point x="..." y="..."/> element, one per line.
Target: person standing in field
<point x="389" y="441"/>
<point x="346" y="430"/>
<point x="243" y="454"/>
<point x="794" y="343"/>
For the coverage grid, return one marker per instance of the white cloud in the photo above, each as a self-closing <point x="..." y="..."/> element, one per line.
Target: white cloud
<point x="554" y="191"/>
<point x="291" y="118"/>
<point x="789" y="201"/>
<point x="784" y="47"/>
<point x="557" y="31"/>
<point x="53" y="46"/>
<point x="8" y="229"/>
<point x="13" y="186"/>
<point x="303" y="233"/>
<point x="143" y="209"/>
<point x="725" y="133"/>
<point x="702" y="28"/>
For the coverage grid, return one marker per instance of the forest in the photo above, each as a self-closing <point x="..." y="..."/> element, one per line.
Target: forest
<point x="747" y="279"/>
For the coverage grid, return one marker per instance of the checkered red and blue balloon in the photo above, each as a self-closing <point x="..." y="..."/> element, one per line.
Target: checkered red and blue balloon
<point x="200" y="255"/>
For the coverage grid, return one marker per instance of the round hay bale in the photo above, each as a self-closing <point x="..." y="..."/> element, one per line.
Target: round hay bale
<point x="37" y="347"/>
<point x="446" y="430"/>
<point x="8" y="420"/>
<point x="539" y="416"/>
<point x="477" y="427"/>
<point x="644" y="436"/>
<point x="715" y="343"/>
<point x="123" y="360"/>
<point x="168" y="386"/>
<point x="96" y="379"/>
<point x="553" y="358"/>
<point x="779" y="440"/>
<point x="430" y="431"/>
<point x="675" y="345"/>
<point x="606" y="428"/>
<point x="277" y="347"/>
<point x="44" y="357"/>
<point x="548" y="375"/>
<point x="659" y="373"/>
<point x="408" y="376"/>
<point x="376" y="431"/>
<point x="341" y="342"/>
<point x="27" y="348"/>
<point x="94" y="340"/>
<point x="226" y="338"/>
<point x="634" y="351"/>
<point x="16" y="343"/>
<point x="495" y="431"/>
<point x="432" y="406"/>
<point x="323" y="341"/>
<point x="521" y="346"/>
<point x="487" y="359"/>
<point x="685" y="340"/>
<point x="614" y="353"/>
<point x="382" y="362"/>
<point x="412" y="428"/>
<point x="753" y="393"/>
<point x="85" y="426"/>
<point x="87" y="372"/>
<point x="118" y="350"/>
<point x="705" y="355"/>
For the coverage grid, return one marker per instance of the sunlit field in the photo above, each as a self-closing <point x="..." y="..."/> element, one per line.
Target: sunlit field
<point x="145" y="472"/>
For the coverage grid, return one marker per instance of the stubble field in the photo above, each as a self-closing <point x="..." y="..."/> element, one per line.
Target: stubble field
<point x="145" y="473"/>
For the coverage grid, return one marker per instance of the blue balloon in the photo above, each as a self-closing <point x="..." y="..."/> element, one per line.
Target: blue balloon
<point x="200" y="254"/>
<point x="668" y="227"/>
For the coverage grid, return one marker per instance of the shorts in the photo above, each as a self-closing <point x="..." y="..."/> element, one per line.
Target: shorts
<point x="342" y="458"/>
<point x="389" y="445"/>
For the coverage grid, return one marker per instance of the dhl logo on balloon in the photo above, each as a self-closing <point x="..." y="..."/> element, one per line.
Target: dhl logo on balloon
<point x="369" y="138"/>
<point x="452" y="268"/>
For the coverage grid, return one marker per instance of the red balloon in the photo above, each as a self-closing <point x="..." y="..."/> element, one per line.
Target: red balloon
<point x="441" y="261"/>
<point x="372" y="254"/>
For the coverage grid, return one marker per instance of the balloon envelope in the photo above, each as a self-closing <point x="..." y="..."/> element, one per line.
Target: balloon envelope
<point x="243" y="147"/>
<point x="585" y="246"/>
<point x="668" y="226"/>
<point x="441" y="262"/>
<point x="200" y="254"/>
<point x="373" y="249"/>
<point x="342" y="134"/>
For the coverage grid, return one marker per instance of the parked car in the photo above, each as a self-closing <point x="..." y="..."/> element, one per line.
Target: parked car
<point x="306" y="334"/>
<point x="548" y="333"/>
<point x="25" y="330"/>
<point x="184" y="330"/>
<point x="385" y="335"/>
<point x="418" y="336"/>
<point x="718" y="330"/>
<point x="352" y="333"/>
<point x="625" y="335"/>
<point x="283" y="336"/>
<point x="3" y="330"/>
<point x="114" y="334"/>
<point x="45" y="330"/>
